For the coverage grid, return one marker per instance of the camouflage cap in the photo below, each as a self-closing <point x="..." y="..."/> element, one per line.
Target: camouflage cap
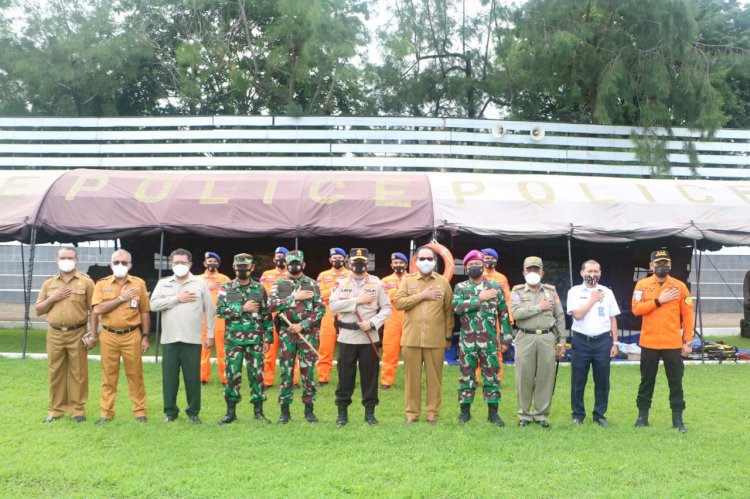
<point x="243" y="259"/>
<point x="295" y="256"/>
<point x="533" y="261"/>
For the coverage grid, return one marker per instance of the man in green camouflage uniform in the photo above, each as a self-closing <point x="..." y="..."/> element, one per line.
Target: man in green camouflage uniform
<point x="297" y="298"/>
<point x="249" y="333"/>
<point x="479" y="303"/>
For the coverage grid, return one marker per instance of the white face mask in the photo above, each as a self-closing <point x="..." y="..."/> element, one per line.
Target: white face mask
<point x="66" y="265"/>
<point x="532" y="278"/>
<point x="120" y="270"/>
<point x="426" y="266"/>
<point x="181" y="270"/>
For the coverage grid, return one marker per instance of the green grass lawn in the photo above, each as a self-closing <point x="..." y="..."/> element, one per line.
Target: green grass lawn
<point x="249" y="459"/>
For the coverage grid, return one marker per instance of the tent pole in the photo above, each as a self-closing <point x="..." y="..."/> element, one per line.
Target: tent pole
<point x="28" y="277"/>
<point x="698" y="326"/>
<point x="158" y="314"/>
<point x="570" y="259"/>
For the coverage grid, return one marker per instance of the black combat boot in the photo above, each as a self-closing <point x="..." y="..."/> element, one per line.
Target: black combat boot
<point x="642" y="420"/>
<point x="465" y="415"/>
<point x="284" y="417"/>
<point x="309" y="414"/>
<point x="258" y="411"/>
<point x="677" y="422"/>
<point x="231" y="414"/>
<point x="370" y="416"/>
<point x="343" y="418"/>
<point x="492" y="416"/>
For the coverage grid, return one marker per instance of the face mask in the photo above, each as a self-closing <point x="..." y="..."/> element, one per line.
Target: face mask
<point x="661" y="270"/>
<point x="337" y="264"/>
<point x="243" y="274"/>
<point x="280" y="263"/>
<point x="425" y="266"/>
<point x="359" y="267"/>
<point x="490" y="265"/>
<point x="120" y="270"/>
<point x="532" y="278"/>
<point x="399" y="269"/>
<point x="590" y="280"/>
<point x="180" y="270"/>
<point x="66" y="265"/>
<point x="295" y="268"/>
<point x="475" y="272"/>
<point x="212" y="266"/>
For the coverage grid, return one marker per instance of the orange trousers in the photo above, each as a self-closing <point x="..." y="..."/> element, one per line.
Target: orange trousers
<point x="391" y="349"/>
<point x="220" y="353"/>
<point x="127" y="346"/>
<point x="269" y="362"/>
<point x="327" y="347"/>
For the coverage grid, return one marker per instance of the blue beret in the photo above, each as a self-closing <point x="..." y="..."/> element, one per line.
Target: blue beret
<point x="491" y="252"/>
<point x="211" y="254"/>
<point x="281" y="249"/>
<point x="399" y="256"/>
<point x="337" y="251"/>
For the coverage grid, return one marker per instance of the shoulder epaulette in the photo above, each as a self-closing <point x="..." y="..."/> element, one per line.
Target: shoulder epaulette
<point x="518" y="287"/>
<point x="549" y="286"/>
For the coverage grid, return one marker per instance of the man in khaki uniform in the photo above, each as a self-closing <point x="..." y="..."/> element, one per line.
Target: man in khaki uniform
<point x="66" y="299"/>
<point x="541" y="337"/>
<point x="426" y="299"/>
<point x="123" y="304"/>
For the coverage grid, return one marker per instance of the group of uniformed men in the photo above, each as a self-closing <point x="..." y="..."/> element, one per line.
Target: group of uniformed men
<point x="301" y="320"/>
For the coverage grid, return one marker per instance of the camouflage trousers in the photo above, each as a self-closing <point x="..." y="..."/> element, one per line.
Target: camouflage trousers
<point x="478" y="352"/>
<point x="235" y="353"/>
<point x="291" y="346"/>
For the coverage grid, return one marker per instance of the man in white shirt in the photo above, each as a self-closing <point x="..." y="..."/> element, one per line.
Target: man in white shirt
<point x="593" y="342"/>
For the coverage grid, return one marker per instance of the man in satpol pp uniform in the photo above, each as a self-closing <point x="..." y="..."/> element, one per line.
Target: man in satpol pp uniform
<point x="327" y="282"/>
<point x="122" y="302"/>
<point x="66" y="299"/>
<point x="593" y="341"/>
<point x="214" y="279"/>
<point x="480" y="305"/>
<point x="267" y="279"/>
<point x="426" y="299"/>
<point x="363" y="305"/>
<point x="300" y="307"/>
<point x="667" y="334"/>
<point x="185" y="304"/>
<point x="249" y="333"/>
<point x="491" y="256"/>
<point x="541" y="337"/>
<point x="394" y="324"/>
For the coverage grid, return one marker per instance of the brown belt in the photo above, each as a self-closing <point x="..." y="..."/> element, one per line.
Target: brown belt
<point x="120" y="331"/>
<point x="65" y="329"/>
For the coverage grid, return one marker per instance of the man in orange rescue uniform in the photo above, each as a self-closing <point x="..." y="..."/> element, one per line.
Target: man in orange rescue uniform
<point x="327" y="282"/>
<point x="394" y="324"/>
<point x="214" y="279"/>
<point x="491" y="257"/>
<point x="667" y="334"/>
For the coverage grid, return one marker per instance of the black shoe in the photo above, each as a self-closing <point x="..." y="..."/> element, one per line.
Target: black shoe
<point x="523" y="422"/>
<point x="102" y="421"/>
<point x="309" y="414"/>
<point x="343" y="417"/>
<point x="79" y="419"/>
<point x="602" y="422"/>
<point x="284" y="417"/>
<point x="169" y="419"/>
<point x="322" y="383"/>
<point x="677" y="422"/>
<point x="370" y="416"/>
<point x="577" y="422"/>
<point x="204" y="382"/>
<point x="465" y="415"/>
<point x="386" y="387"/>
<point x="543" y="423"/>
<point x="642" y="420"/>
<point x="195" y="419"/>
<point x="50" y="419"/>
<point x="231" y="414"/>
<point x="295" y="386"/>
<point x="141" y="419"/>
<point x="258" y="412"/>
<point x="492" y="415"/>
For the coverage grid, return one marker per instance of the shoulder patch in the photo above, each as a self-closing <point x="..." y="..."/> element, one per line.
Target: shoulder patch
<point x="688" y="300"/>
<point x="637" y="295"/>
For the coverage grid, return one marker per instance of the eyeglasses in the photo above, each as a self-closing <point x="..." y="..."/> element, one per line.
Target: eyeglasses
<point x="423" y="258"/>
<point x="119" y="262"/>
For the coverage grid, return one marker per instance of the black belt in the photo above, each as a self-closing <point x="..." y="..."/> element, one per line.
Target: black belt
<point x="120" y="331"/>
<point x="346" y="325"/>
<point x="65" y="329"/>
<point x="536" y="331"/>
<point x="591" y="338"/>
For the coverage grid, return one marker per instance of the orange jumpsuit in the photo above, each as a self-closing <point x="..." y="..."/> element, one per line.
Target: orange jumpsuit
<point x="669" y="325"/>
<point x="214" y="281"/>
<point x="327" y="282"/>
<point x="391" y="332"/>
<point x="269" y="361"/>
<point x="499" y="278"/>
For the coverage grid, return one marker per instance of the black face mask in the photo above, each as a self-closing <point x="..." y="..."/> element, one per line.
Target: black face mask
<point x="399" y="269"/>
<point x="359" y="267"/>
<point x="212" y="266"/>
<point x="280" y="263"/>
<point x="661" y="270"/>
<point x="243" y="274"/>
<point x="490" y="265"/>
<point x="295" y="268"/>
<point x="337" y="264"/>
<point x="590" y="280"/>
<point x="475" y="272"/>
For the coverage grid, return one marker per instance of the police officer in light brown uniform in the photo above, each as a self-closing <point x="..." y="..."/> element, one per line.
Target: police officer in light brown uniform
<point x="66" y="299"/>
<point x="122" y="302"/>
<point x="541" y="336"/>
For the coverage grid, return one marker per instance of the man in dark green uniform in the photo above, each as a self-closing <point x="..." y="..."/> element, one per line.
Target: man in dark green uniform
<point x="249" y="332"/>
